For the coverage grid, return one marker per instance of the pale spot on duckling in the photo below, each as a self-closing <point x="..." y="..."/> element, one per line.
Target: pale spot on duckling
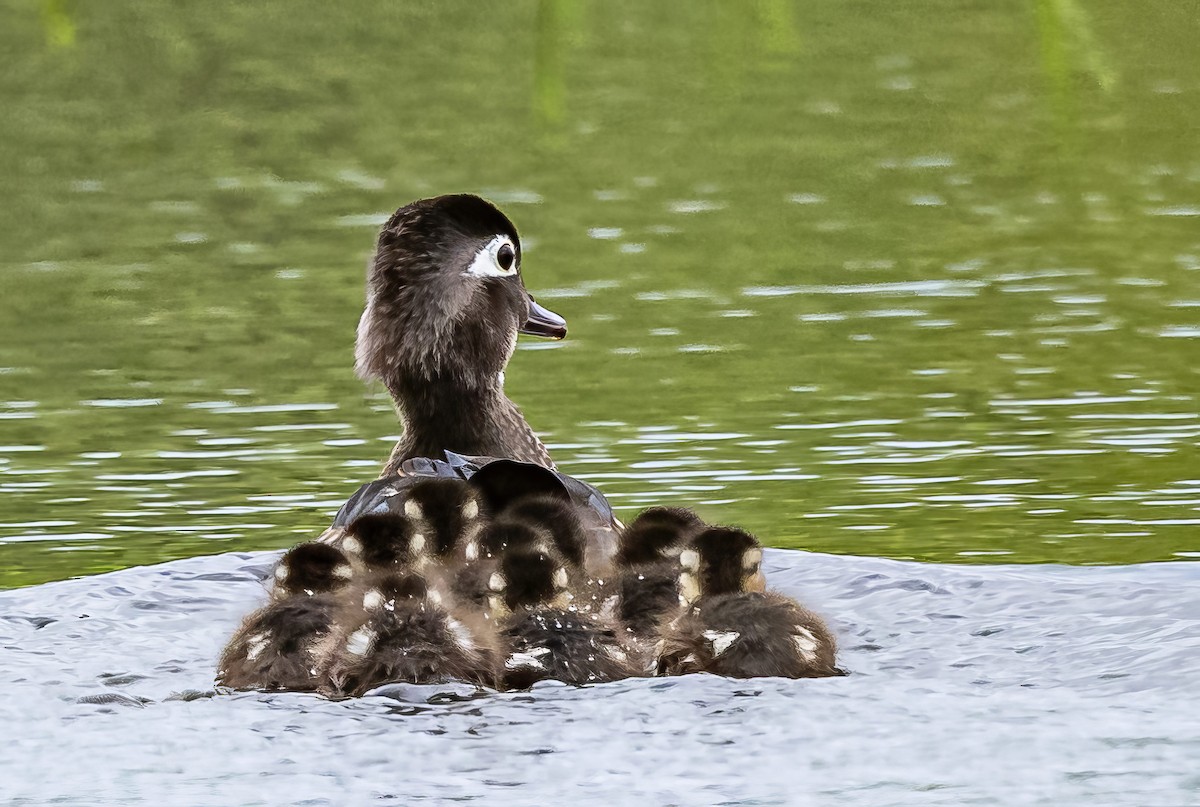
<point x="806" y="643"/>
<point x="256" y="644"/>
<point x="560" y="577"/>
<point x="462" y="634"/>
<point x="281" y="573"/>
<point x="413" y="509"/>
<point x="721" y="640"/>
<point x="751" y="559"/>
<point x="352" y="545"/>
<point x="532" y="659"/>
<point x="690" y="560"/>
<point x="470" y="510"/>
<point x="753" y="579"/>
<point x="689" y="588"/>
<point x="471" y="552"/>
<point x="343" y="571"/>
<point x="360" y="642"/>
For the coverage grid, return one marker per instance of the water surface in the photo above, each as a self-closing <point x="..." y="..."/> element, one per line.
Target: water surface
<point x="988" y="685"/>
<point x="877" y="281"/>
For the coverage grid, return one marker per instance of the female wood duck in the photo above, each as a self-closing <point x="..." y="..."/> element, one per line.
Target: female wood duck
<point x="281" y="645"/>
<point x="445" y="303"/>
<point x="732" y="626"/>
<point x="407" y="631"/>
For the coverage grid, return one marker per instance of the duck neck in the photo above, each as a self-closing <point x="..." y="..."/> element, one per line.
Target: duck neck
<point x="440" y="415"/>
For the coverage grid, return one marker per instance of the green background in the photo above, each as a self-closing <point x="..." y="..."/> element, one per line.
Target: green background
<point x="919" y="280"/>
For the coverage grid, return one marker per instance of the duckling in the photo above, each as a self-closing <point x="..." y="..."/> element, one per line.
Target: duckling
<point x="546" y="636"/>
<point x="657" y="533"/>
<point x="647" y="584"/>
<point x="749" y="635"/>
<point x="407" y="631"/>
<point x="733" y="626"/>
<point x="445" y="302"/>
<point x="473" y="581"/>
<point x="280" y="646"/>
<point x="387" y="542"/>
<point x="452" y="512"/>
<point x="721" y="560"/>
<point x="559" y="517"/>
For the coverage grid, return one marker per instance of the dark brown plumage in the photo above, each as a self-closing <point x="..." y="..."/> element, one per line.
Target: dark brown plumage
<point x="387" y="541"/>
<point x="549" y="638"/>
<point x="445" y="302"/>
<point x="657" y="532"/>
<point x="721" y="560"/>
<point x="749" y="635"/>
<point x="559" y="517"/>
<point x="646" y="583"/>
<point x="731" y="626"/>
<point x="450" y="511"/>
<point x="282" y="645"/>
<point x="407" y="632"/>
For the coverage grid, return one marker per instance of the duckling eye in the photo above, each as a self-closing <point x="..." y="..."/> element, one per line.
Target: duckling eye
<point x="505" y="257"/>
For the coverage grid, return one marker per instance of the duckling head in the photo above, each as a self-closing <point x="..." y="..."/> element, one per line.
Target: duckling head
<point x="445" y="298"/>
<point x="721" y="560"/>
<point x="507" y="534"/>
<point x="657" y="533"/>
<point x="450" y="510"/>
<point x="395" y="588"/>
<point x="384" y="540"/>
<point x="311" y="568"/>
<point x="530" y="576"/>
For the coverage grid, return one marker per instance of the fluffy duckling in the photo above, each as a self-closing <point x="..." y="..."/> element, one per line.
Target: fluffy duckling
<point x="473" y="582"/>
<point x="546" y="636"/>
<point x="387" y="542"/>
<point x="721" y="560"/>
<point x="647" y="585"/>
<point x="451" y="511"/>
<point x="559" y="517"/>
<point x="657" y="533"/>
<point x="280" y="646"/>
<point x="405" y="631"/>
<point x="732" y="626"/>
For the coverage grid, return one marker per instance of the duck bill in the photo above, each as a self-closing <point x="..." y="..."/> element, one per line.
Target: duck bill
<point x="544" y="322"/>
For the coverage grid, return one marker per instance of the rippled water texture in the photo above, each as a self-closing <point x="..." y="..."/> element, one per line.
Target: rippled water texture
<point x="971" y="685"/>
<point x="891" y="283"/>
<point x="894" y="280"/>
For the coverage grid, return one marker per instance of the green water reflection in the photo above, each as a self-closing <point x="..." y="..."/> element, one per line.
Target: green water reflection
<point x="910" y="280"/>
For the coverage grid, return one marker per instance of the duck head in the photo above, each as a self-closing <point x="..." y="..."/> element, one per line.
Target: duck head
<point x="445" y="300"/>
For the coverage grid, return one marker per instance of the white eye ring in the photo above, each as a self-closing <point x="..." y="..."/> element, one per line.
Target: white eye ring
<point x="487" y="260"/>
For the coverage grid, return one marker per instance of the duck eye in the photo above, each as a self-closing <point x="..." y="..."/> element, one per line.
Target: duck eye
<point x="505" y="257"/>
